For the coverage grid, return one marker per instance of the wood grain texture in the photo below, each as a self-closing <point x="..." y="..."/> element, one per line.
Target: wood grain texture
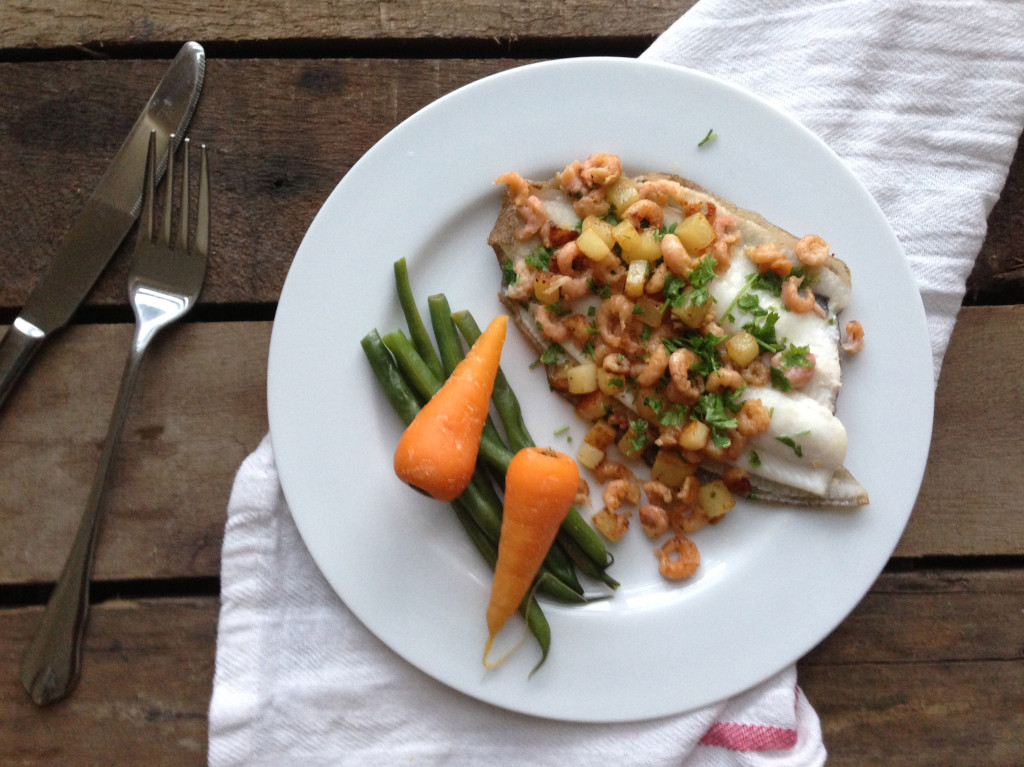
<point x="147" y="676"/>
<point x="282" y="133"/>
<point x="926" y="671"/>
<point x="24" y="24"/>
<point x="199" y="408"/>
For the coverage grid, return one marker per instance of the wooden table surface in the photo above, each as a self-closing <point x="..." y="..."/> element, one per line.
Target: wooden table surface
<point x="927" y="670"/>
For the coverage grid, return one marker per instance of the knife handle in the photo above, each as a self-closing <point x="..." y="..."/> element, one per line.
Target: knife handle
<point x="16" y="349"/>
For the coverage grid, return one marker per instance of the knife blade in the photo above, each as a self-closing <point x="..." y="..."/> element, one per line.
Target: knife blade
<point x="108" y="215"/>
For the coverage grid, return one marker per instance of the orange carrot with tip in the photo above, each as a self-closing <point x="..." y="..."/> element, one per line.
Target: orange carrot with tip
<point x="540" y="486"/>
<point x="438" y="450"/>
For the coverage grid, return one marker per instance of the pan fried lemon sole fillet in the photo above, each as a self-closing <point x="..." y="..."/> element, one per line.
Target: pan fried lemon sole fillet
<point x="688" y="332"/>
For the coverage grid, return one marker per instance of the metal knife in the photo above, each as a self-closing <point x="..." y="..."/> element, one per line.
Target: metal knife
<point x="107" y="217"/>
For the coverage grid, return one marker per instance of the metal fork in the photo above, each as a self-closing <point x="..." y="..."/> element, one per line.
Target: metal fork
<point x="165" y="281"/>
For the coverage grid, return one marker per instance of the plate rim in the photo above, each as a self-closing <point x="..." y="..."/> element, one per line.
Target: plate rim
<point x="528" y="71"/>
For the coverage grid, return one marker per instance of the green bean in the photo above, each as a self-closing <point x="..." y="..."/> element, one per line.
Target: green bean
<point x="445" y="334"/>
<point x="503" y="396"/>
<point x="580" y="559"/>
<point x="392" y="382"/>
<point x="507" y="405"/>
<point x="417" y="329"/>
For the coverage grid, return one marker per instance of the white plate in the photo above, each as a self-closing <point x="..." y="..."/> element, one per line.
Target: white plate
<point x="772" y="583"/>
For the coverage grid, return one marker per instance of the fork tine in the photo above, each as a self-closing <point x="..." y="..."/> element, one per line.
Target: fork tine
<point x="202" y="243"/>
<point x="169" y="196"/>
<point x="146" y="218"/>
<point x="184" y="213"/>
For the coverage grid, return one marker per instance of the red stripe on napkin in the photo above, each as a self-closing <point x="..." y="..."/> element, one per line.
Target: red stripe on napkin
<point x="749" y="737"/>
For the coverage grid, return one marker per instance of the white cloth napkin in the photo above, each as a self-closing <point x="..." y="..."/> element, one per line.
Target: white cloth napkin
<point x="924" y="100"/>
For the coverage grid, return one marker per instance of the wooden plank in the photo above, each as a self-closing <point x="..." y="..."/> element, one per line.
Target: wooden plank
<point x="200" y="408"/>
<point x="23" y="24"/>
<point x="147" y="676"/>
<point x="282" y="133"/>
<point x="971" y="494"/>
<point x="929" y="665"/>
<point x="919" y="715"/>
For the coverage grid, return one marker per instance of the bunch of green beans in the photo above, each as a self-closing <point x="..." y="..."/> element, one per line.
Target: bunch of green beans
<point x="410" y="372"/>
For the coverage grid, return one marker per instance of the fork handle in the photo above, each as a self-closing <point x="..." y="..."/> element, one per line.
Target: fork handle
<point x="17" y="347"/>
<point x="51" y="665"/>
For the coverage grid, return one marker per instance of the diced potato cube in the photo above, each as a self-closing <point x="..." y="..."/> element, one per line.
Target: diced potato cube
<point x="742" y="348"/>
<point x="621" y="194"/>
<point x="610" y="383"/>
<point x="649" y="248"/>
<point x="636" y="278"/>
<point x="601" y="228"/>
<point x="582" y="378"/>
<point x="716" y="499"/>
<point x="592" y="245"/>
<point x="589" y="456"/>
<point x="651" y="312"/>
<point x="592" y="406"/>
<point x="611" y="525"/>
<point x="644" y="409"/>
<point x="632" y="444"/>
<point x="601" y="434"/>
<point x="694" y="436"/>
<point x="696" y="233"/>
<point x="545" y="287"/>
<point x="671" y="469"/>
<point x="690" y="314"/>
<point x="627" y="236"/>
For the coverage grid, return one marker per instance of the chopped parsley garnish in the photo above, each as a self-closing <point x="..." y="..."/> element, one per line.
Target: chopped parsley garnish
<point x="675" y="290"/>
<point x="703" y="345"/>
<point x="508" y="273"/>
<point x="710" y="135"/>
<point x="676" y="415"/>
<point x="700" y="277"/>
<point x="616" y="381"/>
<point x="640" y="441"/>
<point x="764" y="331"/>
<point x="540" y="258"/>
<point x="796" y="356"/>
<point x="711" y="409"/>
<point x="779" y="380"/>
<point x="602" y="291"/>
<point x="554" y="353"/>
<point x="755" y="459"/>
<point x="790" y="442"/>
<point x="654" y="403"/>
<point x="588" y="348"/>
<point x="666" y="229"/>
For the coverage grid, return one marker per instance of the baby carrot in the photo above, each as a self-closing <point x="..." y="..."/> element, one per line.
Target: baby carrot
<point x="540" y="486"/>
<point x="438" y="450"/>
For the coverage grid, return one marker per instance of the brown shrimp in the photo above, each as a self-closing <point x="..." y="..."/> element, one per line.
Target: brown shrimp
<point x="811" y="250"/>
<point x="798" y="375"/>
<point x="793" y="300"/>
<point x="534" y="215"/>
<point x="661" y="190"/>
<point x="615" y="320"/>
<point x="770" y="257"/>
<point x="854" y="337"/>
<point x="549" y="327"/>
<point x="649" y="371"/>
<point x="678" y="558"/>
<point x="754" y="418"/>
<point x="675" y="256"/>
<point x="593" y="203"/>
<point x="601" y="169"/>
<point x="620" y="491"/>
<point x="645" y="210"/>
<point x="723" y="378"/>
<point x="518" y="187"/>
<point x="565" y="258"/>
<point x="723" y="242"/>
<point x="653" y="520"/>
<point x="609" y="470"/>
